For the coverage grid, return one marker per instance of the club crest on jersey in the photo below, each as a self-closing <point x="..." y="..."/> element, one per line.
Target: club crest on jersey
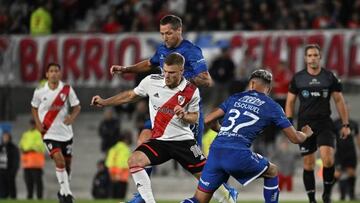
<point x="62" y="96"/>
<point x="181" y="100"/>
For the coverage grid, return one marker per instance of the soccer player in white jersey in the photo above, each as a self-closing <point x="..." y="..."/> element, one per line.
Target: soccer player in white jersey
<point x="173" y="105"/>
<point x="50" y="109"/>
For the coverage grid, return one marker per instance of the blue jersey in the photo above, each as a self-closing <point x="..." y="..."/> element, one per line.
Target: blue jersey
<point x="194" y="65"/>
<point x="194" y="60"/>
<point x="246" y="115"/>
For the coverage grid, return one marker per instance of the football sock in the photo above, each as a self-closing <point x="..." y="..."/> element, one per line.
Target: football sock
<point x="351" y="187"/>
<point x="221" y="194"/>
<point x="271" y="190"/>
<point x="342" y="188"/>
<point x="328" y="179"/>
<point x="309" y="183"/>
<point x="63" y="180"/>
<point x="143" y="184"/>
<point x="148" y="170"/>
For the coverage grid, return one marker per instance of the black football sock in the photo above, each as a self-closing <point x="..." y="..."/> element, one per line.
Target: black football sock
<point x="351" y="187"/>
<point x="328" y="179"/>
<point x="309" y="183"/>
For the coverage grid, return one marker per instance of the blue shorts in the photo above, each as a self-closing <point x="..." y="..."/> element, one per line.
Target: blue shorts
<point x="242" y="164"/>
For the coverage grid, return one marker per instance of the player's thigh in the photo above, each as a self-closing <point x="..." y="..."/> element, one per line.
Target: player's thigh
<point x="188" y="154"/>
<point x="252" y="165"/>
<point x="156" y="151"/>
<point x="213" y="175"/>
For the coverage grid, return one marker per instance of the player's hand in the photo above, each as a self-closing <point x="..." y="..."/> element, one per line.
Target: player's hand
<point x="345" y="132"/>
<point x="68" y="120"/>
<point x="307" y="130"/>
<point x="179" y="111"/>
<point x="97" y="101"/>
<point x="117" y="69"/>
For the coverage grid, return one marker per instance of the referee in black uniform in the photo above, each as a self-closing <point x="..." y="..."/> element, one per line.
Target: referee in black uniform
<point x="314" y="86"/>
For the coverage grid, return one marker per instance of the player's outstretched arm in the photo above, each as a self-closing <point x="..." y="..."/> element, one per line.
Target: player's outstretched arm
<point x="121" y="98"/>
<point x="212" y="119"/>
<point x="202" y="80"/>
<point x="140" y="67"/>
<point x="298" y="137"/>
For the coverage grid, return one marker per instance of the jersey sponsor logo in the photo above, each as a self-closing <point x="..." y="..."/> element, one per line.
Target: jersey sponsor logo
<point x="315" y="94"/>
<point x="305" y="93"/>
<point x="181" y="99"/>
<point x="252" y="100"/>
<point x="325" y="93"/>
<point x="314" y="81"/>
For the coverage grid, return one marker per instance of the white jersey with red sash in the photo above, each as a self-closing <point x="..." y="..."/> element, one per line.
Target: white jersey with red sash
<point x="162" y="100"/>
<point x="53" y="106"/>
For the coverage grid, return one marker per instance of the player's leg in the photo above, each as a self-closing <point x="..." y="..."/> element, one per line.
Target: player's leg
<point x="144" y="136"/>
<point x="54" y="148"/>
<point x="271" y="184"/>
<point x="153" y="152"/>
<point x="351" y="180"/>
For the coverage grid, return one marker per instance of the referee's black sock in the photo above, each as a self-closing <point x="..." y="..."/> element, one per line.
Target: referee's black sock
<point x="351" y="187"/>
<point x="328" y="177"/>
<point x="309" y="182"/>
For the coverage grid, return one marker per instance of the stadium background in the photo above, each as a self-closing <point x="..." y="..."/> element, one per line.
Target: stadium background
<point x="258" y="33"/>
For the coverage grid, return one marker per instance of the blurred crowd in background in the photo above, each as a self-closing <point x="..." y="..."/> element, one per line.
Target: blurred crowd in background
<point x="115" y="16"/>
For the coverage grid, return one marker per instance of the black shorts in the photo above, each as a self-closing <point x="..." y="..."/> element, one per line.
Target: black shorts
<point x="323" y="135"/>
<point x="186" y="152"/>
<point x="348" y="161"/>
<point x="53" y="146"/>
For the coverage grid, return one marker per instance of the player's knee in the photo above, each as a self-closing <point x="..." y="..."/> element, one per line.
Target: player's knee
<point x="135" y="161"/>
<point x="328" y="162"/>
<point x="272" y="171"/>
<point x="59" y="163"/>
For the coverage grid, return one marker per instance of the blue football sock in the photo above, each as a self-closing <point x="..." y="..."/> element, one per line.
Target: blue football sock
<point x="271" y="190"/>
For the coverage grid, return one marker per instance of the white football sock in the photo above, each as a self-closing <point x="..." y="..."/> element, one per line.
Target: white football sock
<point x="143" y="184"/>
<point x="222" y="195"/>
<point x="63" y="180"/>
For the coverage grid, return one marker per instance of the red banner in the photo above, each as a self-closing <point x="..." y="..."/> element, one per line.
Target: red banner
<point x="86" y="59"/>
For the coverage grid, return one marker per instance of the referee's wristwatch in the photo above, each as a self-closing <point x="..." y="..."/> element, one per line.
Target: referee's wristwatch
<point x="347" y="125"/>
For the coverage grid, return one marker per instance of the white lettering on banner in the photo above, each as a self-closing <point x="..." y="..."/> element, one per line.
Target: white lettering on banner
<point x="86" y="59"/>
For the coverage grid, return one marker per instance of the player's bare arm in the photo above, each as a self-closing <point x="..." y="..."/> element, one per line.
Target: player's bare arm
<point x="298" y="137"/>
<point x="290" y="105"/>
<point x="121" y="98"/>
<point x="188" y="117"/>
<point x="142" y="66"/>
<point x="38" y="123"/>
<point x="212" y="119"/>
<point x="202" y="80"/>
<point x="69" y="119"/>
<point x="344" y="114"/>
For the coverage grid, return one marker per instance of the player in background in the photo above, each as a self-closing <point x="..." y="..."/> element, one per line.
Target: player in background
<point x="173" y="106"/>
<point x="50" y="104"/>
<point x="315" y="86"/>
<point x="346" y="158"/>
<point x="195" y="71"/>
<point x="244" y="115"/>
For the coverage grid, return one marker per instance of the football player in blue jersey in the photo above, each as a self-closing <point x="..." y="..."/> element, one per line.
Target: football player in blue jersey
<point x="195" y="70"/>
<point x="244" y="115"/>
